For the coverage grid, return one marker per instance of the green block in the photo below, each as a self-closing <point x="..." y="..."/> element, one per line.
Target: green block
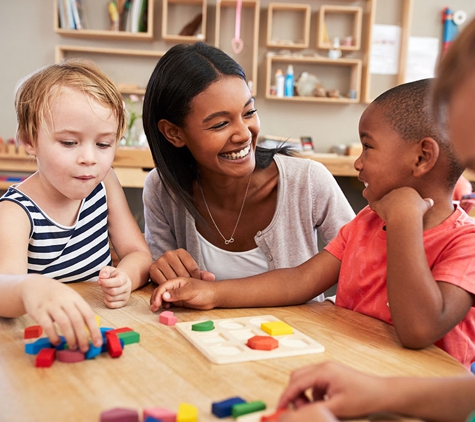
<point x="245" y="408"/>
<point x="129" y="337"/>
<point x="203" y="326"/>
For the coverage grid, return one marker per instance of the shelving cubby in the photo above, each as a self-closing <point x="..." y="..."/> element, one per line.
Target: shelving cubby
<point x="98" y="23"/>
<point x="288" y="25"/>
<point x="339" y="22"/>
<point x="225" y="32"/>
<point x="343" y="74"/>
<point x="184" y="21"/>
<point x="114" y="62"/>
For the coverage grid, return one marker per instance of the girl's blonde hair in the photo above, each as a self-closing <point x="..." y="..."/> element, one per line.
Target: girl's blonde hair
<point x="36" y="92"/>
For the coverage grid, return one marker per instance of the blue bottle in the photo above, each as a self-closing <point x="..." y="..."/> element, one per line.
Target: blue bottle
<point x="289" y="82"/>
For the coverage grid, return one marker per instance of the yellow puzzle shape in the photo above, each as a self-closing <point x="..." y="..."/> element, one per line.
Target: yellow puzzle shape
<point x="277" y="328"/>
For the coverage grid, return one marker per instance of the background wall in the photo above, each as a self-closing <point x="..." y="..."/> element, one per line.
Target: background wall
<point x="28" y="42"/>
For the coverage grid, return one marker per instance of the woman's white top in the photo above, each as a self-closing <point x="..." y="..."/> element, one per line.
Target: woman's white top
<point x="244" y="264"/>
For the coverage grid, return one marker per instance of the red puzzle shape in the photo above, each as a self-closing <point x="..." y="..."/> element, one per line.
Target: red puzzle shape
<point x="262" y="343"/>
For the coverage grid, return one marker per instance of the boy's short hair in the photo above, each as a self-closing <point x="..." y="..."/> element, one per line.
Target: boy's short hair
<point x="35" y="93"/>
<point x="455" y="66"/>
<point x="407" y="109"/>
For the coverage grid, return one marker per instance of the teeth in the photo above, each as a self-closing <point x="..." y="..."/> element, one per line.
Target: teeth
<point x="237" y="155"/>
<point x="365" y="184"/>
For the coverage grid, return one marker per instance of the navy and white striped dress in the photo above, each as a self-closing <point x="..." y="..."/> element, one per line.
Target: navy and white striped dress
<point x="67" y="254"/>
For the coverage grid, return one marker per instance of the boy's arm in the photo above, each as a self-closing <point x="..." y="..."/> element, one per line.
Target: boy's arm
<point x="288" y="286"/>
<point x="125" y="235"/>
<point x="422" y="309"/>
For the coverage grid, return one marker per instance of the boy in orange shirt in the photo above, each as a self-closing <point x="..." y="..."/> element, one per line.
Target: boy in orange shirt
<point x="406" y="259"/>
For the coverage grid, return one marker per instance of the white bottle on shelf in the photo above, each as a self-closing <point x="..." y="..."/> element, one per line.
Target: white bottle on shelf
<point x="279" y="83"/>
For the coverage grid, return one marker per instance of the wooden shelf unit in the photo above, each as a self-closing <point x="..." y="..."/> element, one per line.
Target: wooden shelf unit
<point x="182" y="5"/>
<point x="105" y="33"/>
<point x="354" y="67"/>
<point x="302" y="12"/>
<point x="324" y="41"/>
<point x="250" y="17"/>
<point x="63" y="50"/>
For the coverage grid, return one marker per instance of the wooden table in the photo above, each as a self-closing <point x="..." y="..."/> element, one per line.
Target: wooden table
<point x="164" y="369"/>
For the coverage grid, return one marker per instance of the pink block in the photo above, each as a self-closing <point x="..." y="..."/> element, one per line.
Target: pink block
<point x="159" y="413"/>
<point x="120" y="415"/>
<point x="70" y="356"/>
<point x="167" y="318"/>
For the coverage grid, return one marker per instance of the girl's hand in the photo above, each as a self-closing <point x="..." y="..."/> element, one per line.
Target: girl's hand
<point x="55" y="305"/>
<point x="116" y="286"/>
<point x="184" y="292"/>
<point x="177" y="263"/>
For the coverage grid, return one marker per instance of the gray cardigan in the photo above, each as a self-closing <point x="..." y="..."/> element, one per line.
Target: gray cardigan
<point x="309" y="203"/>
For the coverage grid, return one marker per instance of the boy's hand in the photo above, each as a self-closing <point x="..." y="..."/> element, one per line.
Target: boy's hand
<point x="177" y="263"/>
<point x="315" y="412"/>
<point x="401" y="202"/>
<point x="116" y="286"/>
<point x="50" y="302"/>
<point x="344" y="391"/>
<point x="184" y="292"/>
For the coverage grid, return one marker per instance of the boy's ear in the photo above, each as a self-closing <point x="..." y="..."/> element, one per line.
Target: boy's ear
<point x="428" y="154"/>
<point x="29" y="148"/>
<point x="171" y="132"/>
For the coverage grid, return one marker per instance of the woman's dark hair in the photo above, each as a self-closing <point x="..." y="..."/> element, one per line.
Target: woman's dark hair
<point x="179" y="76"/>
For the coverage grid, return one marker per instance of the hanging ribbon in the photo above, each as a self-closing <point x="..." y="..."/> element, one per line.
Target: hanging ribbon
<point x="237" y="43"/>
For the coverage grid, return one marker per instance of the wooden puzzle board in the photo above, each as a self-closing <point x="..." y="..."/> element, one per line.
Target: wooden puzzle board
<point x="226" y="343"/>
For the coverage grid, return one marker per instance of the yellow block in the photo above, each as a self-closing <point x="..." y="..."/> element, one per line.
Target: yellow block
<point x="187" y="413"/>
<point x="277" y="328"/>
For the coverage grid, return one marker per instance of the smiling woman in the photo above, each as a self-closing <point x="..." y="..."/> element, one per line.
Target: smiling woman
<point x="219" y="206"/>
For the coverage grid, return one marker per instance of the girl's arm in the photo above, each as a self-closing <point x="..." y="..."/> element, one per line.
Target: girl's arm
<point x="288" y="286"/>
<point x="125" y="235"/>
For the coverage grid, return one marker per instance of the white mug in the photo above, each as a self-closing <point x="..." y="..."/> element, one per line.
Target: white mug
<point x="334" y="54"/>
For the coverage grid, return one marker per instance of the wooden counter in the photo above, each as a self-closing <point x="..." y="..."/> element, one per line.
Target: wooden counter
<point x="133" y="164"/>
<point x="164" y="369"/>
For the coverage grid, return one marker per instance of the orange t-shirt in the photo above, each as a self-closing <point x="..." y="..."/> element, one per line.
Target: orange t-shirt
<point x="450" y="250"/>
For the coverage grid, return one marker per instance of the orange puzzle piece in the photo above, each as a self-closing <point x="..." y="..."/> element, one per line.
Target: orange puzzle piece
<point x="263" y="343"/>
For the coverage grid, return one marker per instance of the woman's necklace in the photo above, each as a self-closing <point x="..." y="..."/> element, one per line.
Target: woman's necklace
<point x="231" y="239"/>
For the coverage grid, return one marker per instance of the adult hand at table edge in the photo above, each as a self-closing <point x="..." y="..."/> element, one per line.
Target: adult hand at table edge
<point x="183" y="292"/>
<point x="315" y="412"/>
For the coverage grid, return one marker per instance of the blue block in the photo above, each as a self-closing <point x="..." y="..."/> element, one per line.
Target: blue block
<point x="224" y="408"/>
<point x="62" y="345"/>
<point x="152" y="419"/>
<point x="472" y="367"/>
<point x="93" y="351"/>
<point x="41" y="343"/>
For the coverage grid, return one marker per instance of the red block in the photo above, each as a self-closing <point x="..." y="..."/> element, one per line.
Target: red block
<point x="120" y="415"/>
<point x="33" y="331"/>
<point x="275" y="417"/>
<point x="263" y="343"/>
<point x="45" y="358"/>
<point x="116" y="331"/>
<point x="113" y="346"/>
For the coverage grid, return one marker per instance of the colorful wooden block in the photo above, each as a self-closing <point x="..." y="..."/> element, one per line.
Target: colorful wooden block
<point x="113" y="346"/>
<point x="45" y="358"/>
<point x="167" y="318"/>
<point x="70" y="356"/>
<point x="34" y="331"/>
<point x="129" y="337"/>
<point x="120" y="414"/>
<point x="93" y="351"/>
<point x="62" y="344"/>
<point x="159" y="413"/>
<point x="203" y="326"/>
<point x="245" y="408"/>
<point x="262" y="343"/>
<point x="35" y="347"/>
<point x="223" y="409"/>
<point x="116" y="331"/>
<point x="273" y="417"/>
<point x="187" y="413"/>
<point x="277" y="328"/>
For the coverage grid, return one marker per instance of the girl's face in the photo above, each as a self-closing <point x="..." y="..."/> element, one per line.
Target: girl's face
<point x="460" y="118"/>
<point x="385" y="162"/>
<point x="222" y="127"/>
<point x="75" y="147"/>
